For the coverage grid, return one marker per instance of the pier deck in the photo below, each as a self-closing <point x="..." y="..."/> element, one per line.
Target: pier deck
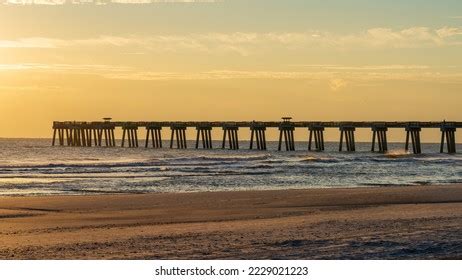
<point x="247" y="124"/>
<point x="101" y="133"/>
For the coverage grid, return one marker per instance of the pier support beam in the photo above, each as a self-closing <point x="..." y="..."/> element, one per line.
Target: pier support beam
<point x="286" y="130"/>
<point x="448" y="132"/>
<point x="155" y="133"/>
<point x="61" y="136"/>
<point x="106" y="134"/>
<point x="95" y="136"/>
<point x="258" y="132"/>
<point x="231" y="132"/>
<point x="68" y="136"/>
<point x="76" y="140"/>
<point x="317" y="132"/>
<point x="73" y="137"/>
<point x="205" y="132"/>
<point x="349" y="133"/>
<point x="178" y="132"/>
<point x="110" y="138"/>
<point x="131" y="133"/>
<point x="413" y="133"/>
<point x="88" y="137"/>
<point x="82" y="137"/>
<point x="99" y="136"/>
<point x="60" y="132"/>
<point x="54" y="137"/>
<point x="85" y="136"/>
<point x="379" y="132"/>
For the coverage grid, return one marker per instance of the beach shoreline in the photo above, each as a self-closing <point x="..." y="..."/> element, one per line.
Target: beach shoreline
<point x="418" y="222"/>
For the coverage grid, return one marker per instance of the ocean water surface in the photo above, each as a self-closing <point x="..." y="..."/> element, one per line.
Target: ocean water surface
<point x="33" y="167"/>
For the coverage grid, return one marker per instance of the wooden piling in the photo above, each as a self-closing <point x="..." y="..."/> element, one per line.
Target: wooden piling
<point x="134" y="133"/>
<point x="154" y="132"/>
<point x="129" y="132"/>
<point x="100" y="136"/>
<point x="316" y="132"/>
<point x="413" y="134"/>
<point x="71" y="137"/>
<point x="349" y="133"/>
<point x="113" y="138"/>
<point x="230" y="131"/>
<point x="88" y="134"/>
<point x="286" y="130"/>
<point x="54" y="137"/>
<point x="95" y="136"/>
<point x="258" y="135"/>
<point x="448" y="135"/>
<point x="379" y="133"/>
<point x="103" y="134"/>
<point x="61" y="136"/>
<point x="178" y="132"/>
<point x="78" y="132"/>
<point x="77" y="137"/>
<point x="124" y="133"/>
<point x="83" y="138"/>
<point x="204" y="133"/>
<point x="68" y="139"/>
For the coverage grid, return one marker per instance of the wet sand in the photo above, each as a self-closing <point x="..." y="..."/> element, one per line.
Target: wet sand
<point x="422" y="222"/>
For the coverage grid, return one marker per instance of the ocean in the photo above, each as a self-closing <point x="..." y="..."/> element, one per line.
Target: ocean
<point x="32" y="167"/>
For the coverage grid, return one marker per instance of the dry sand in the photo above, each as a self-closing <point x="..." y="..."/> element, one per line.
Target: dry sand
<point x="362" y="223"/>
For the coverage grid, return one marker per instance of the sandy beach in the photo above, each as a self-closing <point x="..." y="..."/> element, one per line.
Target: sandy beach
<point x="423" y="222"/>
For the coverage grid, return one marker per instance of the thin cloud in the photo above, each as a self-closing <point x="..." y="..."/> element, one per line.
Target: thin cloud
<point x="35" y="43"/>
<point x="33" y="88"/>
<point x="84" y="68"/>
<point x="364" y="68"/>
<point x="336" y="80"/>
<point x="337" y="84"/>
<point x="248" y="43"/>
<point x="449" y="32"/>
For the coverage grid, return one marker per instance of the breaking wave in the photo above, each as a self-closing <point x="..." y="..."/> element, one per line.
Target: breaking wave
<point x="33" y="168"/>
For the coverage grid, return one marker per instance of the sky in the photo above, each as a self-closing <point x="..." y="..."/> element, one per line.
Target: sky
<point x="319" y="60"/>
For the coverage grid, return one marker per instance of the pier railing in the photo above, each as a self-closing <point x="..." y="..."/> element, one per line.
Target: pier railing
<point x="101" y="133"/>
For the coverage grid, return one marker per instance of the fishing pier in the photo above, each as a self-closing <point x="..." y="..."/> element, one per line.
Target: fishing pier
<point x="101" y="133"/>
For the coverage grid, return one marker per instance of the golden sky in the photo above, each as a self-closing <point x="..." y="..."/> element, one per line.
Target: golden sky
<point x="228" y="60"/>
